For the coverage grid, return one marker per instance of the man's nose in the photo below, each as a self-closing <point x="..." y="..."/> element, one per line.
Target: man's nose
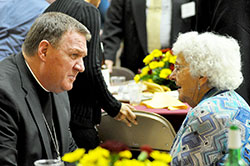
<point x="80" y="65"/>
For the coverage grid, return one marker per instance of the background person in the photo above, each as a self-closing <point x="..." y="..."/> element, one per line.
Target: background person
<point x="207" y="71"/>
<point x="103" y="7"/>
<point x="142" y="25"/>
<point x="17" y="16"/>
<point x="33" y="126"/>
<point x="90" y="85"/>
<point x="229" y="17"/>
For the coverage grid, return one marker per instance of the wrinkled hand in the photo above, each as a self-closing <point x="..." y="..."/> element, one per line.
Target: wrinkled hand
<point x="126" y="115"/>
<point x="109" y="64"/>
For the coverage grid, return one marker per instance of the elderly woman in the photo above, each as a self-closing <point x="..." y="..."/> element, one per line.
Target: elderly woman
<point x="207" y="71"/>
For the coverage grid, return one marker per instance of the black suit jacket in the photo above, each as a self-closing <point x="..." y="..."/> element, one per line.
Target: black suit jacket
<point x="23" y="134"/>
<point x="126" y="21"/>
<point x="90" y="92"/>
<point x="229" y="17"/>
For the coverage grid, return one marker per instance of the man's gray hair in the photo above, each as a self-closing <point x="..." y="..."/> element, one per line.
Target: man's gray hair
<point x="51" y="26"/>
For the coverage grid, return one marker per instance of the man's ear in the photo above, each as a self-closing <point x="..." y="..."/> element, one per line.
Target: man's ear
<point x="43" y="49"/>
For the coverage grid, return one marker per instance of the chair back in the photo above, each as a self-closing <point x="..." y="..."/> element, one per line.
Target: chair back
<point x="152" y="129"/>
<point x="122" y="71"/>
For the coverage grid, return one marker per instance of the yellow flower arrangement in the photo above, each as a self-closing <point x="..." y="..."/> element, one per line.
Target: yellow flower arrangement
<point x="116" y="156"/>
<point x="158" y="66"/>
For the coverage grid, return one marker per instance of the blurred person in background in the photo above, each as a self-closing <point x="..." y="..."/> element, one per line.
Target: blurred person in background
<point x="143" y="25"/>
<point x="90" y="93"/>
<point x="103" y="7"/>
<point x="207" y="71"/>
<point x="17" y="16"/>
<point x="229" y="17"/>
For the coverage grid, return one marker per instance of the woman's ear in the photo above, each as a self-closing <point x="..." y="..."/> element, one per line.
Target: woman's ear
<point x="43" y="49"/>
<point x="202" y="80"/>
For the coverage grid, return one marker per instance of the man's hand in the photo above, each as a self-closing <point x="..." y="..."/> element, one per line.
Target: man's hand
<point x="109" y="64"/>
<point x="96" y="3"/>
<point x="126" y="115"/>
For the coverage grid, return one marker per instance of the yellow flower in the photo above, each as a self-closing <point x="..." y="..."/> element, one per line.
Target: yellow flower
<point x="99" y="151"/>
<point x="156" y="53"/>
<point x="172" y="59"/>
<point x="150" y="80"/>
<point x="161" y="64"/>
<point x="158" y="163"/>
<point x="125" y="154"/>
<point x="148" y="58"/>
<point x="158" y="67"/>
<point x="126" y="162"/>
<point x="153" y="65"/>
<point x="165" y="73"/>
<point x="94" y="155"/>
<point x="167" y="56"/>
<point x="87" y="159"/>
<point x="73" y="156"/>
<point x="144" y="71"/>
<point x="137" y="78"/>
<point x="103" y="157"/>
<point x="102" y="161"/>
<point x="162" y="156"/>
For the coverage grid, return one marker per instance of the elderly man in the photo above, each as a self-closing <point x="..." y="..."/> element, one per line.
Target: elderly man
<point x="90" y="85"/>
<point x="34" y="109"/>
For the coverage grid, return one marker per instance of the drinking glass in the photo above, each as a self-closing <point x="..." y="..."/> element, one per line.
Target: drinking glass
<point x="135" y="94"/>
<point x="117" y="80"/>
<point x="49" y="162"/>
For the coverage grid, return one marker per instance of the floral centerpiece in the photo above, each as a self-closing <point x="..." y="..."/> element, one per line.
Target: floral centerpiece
<point x="159" y="64"/>
<point x="112" y="153"/>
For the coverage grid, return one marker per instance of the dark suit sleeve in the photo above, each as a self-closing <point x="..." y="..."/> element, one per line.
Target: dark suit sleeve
<point x="8" y="133"/>
<point x="113" y="29"/>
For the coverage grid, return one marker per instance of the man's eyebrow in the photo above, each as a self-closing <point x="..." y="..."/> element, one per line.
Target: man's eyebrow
<point x="80" y="51"/>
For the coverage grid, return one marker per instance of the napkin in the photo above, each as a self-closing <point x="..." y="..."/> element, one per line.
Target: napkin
<point x="163" y="100"/>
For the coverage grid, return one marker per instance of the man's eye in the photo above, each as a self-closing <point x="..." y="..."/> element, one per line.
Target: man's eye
<point x="74" y="56"/>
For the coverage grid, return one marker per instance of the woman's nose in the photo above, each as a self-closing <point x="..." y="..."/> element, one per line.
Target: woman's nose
<point x="172" y="75"/>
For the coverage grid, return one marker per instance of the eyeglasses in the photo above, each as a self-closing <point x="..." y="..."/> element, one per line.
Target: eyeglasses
<point x="178" y="68"/>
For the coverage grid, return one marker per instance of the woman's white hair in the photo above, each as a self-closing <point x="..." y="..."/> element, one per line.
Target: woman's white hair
<point x="214" y="56"/>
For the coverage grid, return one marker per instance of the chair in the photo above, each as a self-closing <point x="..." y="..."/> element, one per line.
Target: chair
<point x="152" y="129"/>
<point x="122" y="71"/>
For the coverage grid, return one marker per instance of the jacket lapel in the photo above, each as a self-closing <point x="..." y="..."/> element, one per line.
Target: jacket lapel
<point x="139" y="13"/>
<point x="37" y="115"/>
<point x="63" y="126"/>
<point x="33" y="102"/>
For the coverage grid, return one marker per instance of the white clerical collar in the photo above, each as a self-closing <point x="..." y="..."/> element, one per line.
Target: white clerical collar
<point x="35" y="76"/>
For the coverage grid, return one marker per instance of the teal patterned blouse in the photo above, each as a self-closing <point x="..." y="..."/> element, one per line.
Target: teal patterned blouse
<point x="202" y="138"/>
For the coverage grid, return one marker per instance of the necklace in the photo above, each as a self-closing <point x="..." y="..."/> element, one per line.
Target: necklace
<point x="53" y="137"/>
